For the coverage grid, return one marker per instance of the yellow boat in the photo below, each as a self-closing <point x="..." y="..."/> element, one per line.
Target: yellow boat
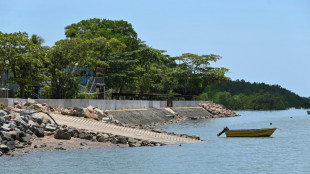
<point x="265" y="132"/>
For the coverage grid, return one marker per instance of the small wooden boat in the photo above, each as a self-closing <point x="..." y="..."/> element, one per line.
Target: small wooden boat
<point x="265" y="132"/>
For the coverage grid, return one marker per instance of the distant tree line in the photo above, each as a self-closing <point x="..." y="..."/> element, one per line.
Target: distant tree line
<point x="112" y="50"/>
<point x="242" y="95"/>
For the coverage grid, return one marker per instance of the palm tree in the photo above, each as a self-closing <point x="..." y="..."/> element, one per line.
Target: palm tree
<point x="36" y="39"/>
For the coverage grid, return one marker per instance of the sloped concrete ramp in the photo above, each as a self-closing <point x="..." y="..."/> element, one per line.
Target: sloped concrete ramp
<point x="98" y="126"/>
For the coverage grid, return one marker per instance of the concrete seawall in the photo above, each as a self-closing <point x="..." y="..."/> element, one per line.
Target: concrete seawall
<point x="107" y="104"/>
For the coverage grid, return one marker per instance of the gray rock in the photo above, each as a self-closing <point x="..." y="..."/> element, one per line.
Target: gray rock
<point x="81" y="112"/>
<point x="59" y="134"/>
<point x="26" y="138"/>
<point x="86" y="136"/>
<point x="6" y="118"/>
<point x="4" y="148"/>
<point x="2" y="113"/>
<point x="15" y="135"/>
<point x="2" y="120"/>
<point x="5" y="136"/>
<point x="39" y="121"/>
<point x="50" y="127"/>
<point x="23" y="121"/>
<point x="5" y="127"/>
<point x="12" y="125"/>
<point x="145" y="143"/>
<point x="123" y="140"/>
<point x="26" y="112"/>
<point x="102" y="139"/>
<point x="39" y="132"/>
<point x="11" y="145"/>
<point x="28" y="131"/>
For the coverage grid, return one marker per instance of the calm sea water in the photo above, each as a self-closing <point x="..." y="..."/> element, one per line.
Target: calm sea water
<point x="287" y="151"/>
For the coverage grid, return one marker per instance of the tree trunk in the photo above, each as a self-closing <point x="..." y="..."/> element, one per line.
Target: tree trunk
<point x="22" y="91"/>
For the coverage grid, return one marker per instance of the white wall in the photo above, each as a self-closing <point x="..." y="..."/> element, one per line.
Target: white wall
<point x="106" y="104"/>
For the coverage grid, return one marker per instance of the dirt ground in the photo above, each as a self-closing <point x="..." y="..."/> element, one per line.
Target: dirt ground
<point x="49" y="143"/>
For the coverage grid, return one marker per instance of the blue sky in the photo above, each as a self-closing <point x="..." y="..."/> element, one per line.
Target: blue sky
<point x="259" y="40"/>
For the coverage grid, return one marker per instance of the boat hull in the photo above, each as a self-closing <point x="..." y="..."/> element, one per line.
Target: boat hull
<point x="250" y="132"/>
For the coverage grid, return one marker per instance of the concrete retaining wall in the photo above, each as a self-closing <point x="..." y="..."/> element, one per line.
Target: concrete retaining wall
<point x="106" y="104"/>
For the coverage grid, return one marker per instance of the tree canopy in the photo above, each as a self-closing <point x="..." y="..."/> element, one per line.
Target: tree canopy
<point x="23" y="57"/>
<point x="128" y="64"/>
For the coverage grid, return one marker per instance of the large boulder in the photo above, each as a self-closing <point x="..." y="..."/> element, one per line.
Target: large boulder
<point x="92" y="115"/>
<point x="102" y="138"/>
<point x="86" y="136"/>
<point x="59" y="134"/>
<point x="65" y="112"/>
<point x="81" y="112"/>
<point x="100" y="113"/>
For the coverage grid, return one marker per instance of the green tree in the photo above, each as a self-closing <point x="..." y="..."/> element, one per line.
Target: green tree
<point x="195" y="73"/>
<point x="66" y="61"/>
<point x="23" y="58"/>
<point x="93" y="28"/>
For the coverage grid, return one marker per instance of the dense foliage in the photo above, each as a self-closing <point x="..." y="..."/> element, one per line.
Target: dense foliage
<point x="111" y="49"/>
<point x="24" y="57"/>
<point x="241" y="95"/>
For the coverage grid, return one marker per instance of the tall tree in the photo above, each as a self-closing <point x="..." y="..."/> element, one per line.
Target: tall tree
<point x="23" y="58"/>
<point x="93" y="28"/>
<point x="66" y="61"/>
<point x="195" y="72"/>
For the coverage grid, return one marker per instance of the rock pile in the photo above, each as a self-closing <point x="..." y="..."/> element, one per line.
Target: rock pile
<point x="107" y="137"/>
<point x="17" y="129"/>
<point x="89" y="112"/>
<point x="30" y="105"/>
<point x="218" y="110"/>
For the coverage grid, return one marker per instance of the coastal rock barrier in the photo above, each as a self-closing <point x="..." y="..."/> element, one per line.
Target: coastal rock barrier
<point x="19" y="129"/>
<point x="218" y="110"/>
<point x="89" y="112"/>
